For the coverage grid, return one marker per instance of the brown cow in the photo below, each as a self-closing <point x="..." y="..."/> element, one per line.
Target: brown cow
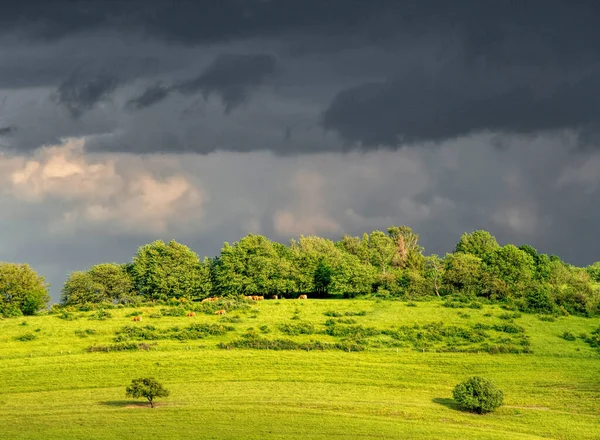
<point x="303" y="297"/>
<point x="137" y="318"/>
<point x="275" y="297"/>
<point x="220" y="312"/>
<point x="251" y="298"/>
<point x="191" y="314"/>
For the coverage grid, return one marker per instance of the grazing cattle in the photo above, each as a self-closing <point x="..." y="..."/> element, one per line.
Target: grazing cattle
<point x="251" y="298"/>
<point x="191" y="314"/>
<point x="210" y="299"/>
<point x="220" y="312"/>
<point x="260" y="298"/>
<point x="137" y="318"/>
<point x="275" y="297"/>
<point x="303" y="297"/>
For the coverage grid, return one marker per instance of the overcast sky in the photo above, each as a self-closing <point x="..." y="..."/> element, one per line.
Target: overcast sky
<point x="203" y="121"/>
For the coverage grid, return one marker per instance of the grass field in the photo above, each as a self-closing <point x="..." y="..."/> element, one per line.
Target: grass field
<point x="398" y="386"/>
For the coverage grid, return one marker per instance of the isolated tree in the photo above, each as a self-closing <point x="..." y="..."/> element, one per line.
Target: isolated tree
<point x="478" y="243"/>
<point x="22" y="290"/>
<point x="163" y="270"/>
<point x="147" y="388"/>
<point x="478" y="394"/>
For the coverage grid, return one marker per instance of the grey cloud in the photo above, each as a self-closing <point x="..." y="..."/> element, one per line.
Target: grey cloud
<point x="230" y="76"/>
<point x="412" y="109"/>
<point x="500" y="31"/>
<point x="8" y="131"/>
<point x="152" y="95"/>
<point x="79" y="94"/>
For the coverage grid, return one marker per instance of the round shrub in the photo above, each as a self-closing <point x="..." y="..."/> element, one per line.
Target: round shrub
<point x="478" y="394"/>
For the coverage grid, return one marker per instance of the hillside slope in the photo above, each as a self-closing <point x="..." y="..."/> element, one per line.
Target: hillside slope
<point x="342" y="369"/>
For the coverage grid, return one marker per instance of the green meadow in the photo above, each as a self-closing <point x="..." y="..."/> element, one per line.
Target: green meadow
<point x="298" y="369"/>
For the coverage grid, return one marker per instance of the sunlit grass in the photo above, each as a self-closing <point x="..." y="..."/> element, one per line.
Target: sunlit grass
<point x="52" y="388"/>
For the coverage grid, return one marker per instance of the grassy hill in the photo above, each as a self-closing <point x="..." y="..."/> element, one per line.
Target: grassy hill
<point x="319" y="369"/>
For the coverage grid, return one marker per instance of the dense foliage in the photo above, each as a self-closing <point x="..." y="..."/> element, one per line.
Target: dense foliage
<point x="385" y="264"/>
<point x="478" y="394"/>
<point x="22" y="291"/>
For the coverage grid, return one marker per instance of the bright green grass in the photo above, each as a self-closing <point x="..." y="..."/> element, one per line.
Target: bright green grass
<point x="51" y="388"/>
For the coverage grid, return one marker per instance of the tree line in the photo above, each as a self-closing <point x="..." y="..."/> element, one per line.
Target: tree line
<point x="386" y="264"/>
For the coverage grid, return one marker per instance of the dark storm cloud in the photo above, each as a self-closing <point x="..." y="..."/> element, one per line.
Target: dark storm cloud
<point x="81" y="93"/>
<point x="8" y="131"/>
<point x="421" y="109"/>
<point x="152" y="95"/>
<point x="230" y="76"/>
<point x="508" y="67"/>
<point x="566" y="28"/>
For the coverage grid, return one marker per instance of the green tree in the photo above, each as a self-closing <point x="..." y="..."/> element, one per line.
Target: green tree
<point x="479" y="243"/>
<point x="507" y="271"/>
<point x="80" y="288"/>
<point x="462" y="274"/>
<point x="163" y="270"/>
<point x="434" y="272"/>
<point x="147" y="388"/>
<point x="22" y="289"/>
<point x="593" y="271"/>
<point x="408" y="254"/>
<point x="115" y="280"/>
<point x="255" y="265"/>
<point x="478" y="394"/>
<point x="106" y="282"/>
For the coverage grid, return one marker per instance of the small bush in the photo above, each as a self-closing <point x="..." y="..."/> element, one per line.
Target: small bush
<point x="478" y="394"/>
<point x="118" y="347"/>
<point x="509" y="316"/>
<point x="85" y="333"/>
<point x="464" y="315"/>
<point x="26" y="337"/>
<point x="547" y="318"/>
<point x="100" y="315"/>
<point x="411" y="304"/>
<point x="233" y="319"/>
<point x="568" y="336"/>
<point x="174" y="311"/>
<point x="508" y="328"/>
<point x="302" y="328"/>
<point x="67" y="316"/>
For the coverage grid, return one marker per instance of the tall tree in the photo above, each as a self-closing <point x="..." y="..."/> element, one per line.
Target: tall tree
<point x="408" y="252"/>
<point x="479" y="243"/>
<point x="162" y="270"/>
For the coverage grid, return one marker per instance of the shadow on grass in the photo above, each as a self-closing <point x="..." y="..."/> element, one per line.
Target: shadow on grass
<point x="125" y="403"/>
<point x="448" y="403"/>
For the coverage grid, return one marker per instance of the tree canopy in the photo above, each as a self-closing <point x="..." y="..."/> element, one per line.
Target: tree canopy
<point x="22" y="290"/>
